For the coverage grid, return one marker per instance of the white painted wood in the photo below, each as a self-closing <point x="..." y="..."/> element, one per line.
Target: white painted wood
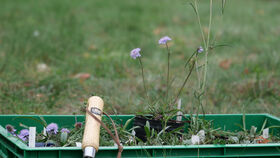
<point x="179" y="113"/>
<point x="32" y="137"/>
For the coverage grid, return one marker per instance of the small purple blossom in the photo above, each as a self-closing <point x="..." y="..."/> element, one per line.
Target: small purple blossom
<point x="64" y="130"/>
<point x="164" y="40"/>
<point x="10" y="129"/>
<point x="135" y="53"/>
<point x="200" y="49"/>
<point x="78" y="125"/>
<point x="24" y="134"/>
<point x="52" y="128"/>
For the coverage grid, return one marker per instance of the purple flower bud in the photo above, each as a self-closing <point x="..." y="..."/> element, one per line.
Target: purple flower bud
<point x="164" y="40"/>
<point x="52" y="128"/>
<point x="135" y="53"/>
<point x="10" y="129"/>
<point x="78" y="125"/>
<point x="24" y="134"/>
<point x="200" y="49"/>
<point x="64" y="130"/>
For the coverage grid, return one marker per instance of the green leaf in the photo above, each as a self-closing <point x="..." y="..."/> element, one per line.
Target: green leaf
<point x="223" y="6"/>
<point x="263" y="126"/>
<point x="127" y="123"/>
<point x="133" y="128"/>
<point x="148" y="124"/>
<point x="152" y="133"/>
<point x="40" y="121"/>
<point x="162" y="131"/>
<point x="177" y="129"/>
<point x="147" y="129"/>
<point x="244" y="122"/>
<point x="193" y="8"/>
<point x="188" y="61"/>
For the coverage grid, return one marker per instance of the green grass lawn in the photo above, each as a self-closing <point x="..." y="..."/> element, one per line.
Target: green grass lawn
<point x="96" y="37"/>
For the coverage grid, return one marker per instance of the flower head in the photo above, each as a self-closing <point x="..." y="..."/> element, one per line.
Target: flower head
<point x="200" y="49"/>
<point x="52" y="128"/>
<point x="78" y="125"/>
<point x="64" y="130"/>
<point x="135" y="53"/>
<point x="24" y="134"/>
<point x="10" y="129"/>
<point x="164" y="40"/>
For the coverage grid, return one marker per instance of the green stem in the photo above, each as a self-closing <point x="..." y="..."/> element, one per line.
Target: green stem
<point x="195" y="52"/>
<point x="207" y="45"/>
<point x="197" y="73"/>
<point x="200" y="103"/>
<point x="168" y="67"/>
<point x="143" y="78"/>
<point x="198" y="19"/>
<point x="185" y="81"/>
<point x="196" y="120"/>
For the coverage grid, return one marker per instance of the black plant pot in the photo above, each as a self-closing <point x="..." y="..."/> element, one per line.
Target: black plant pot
<point x="140" y="121"/>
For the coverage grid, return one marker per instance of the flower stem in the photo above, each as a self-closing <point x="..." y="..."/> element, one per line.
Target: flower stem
<point x="143" y="78"/>
<point x="197" y="73"/>
<point x="168" y="67"/>
<point x="185" y="81"/>
<point x="207" y="46"/>
<point x="188" y="61"/>
<point x="199" y="23"/>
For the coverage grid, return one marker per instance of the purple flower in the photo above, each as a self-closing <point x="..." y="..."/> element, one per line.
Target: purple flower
<point x="52" y="128"/>
<point x="24" y="134"/>
<point x="135" y="53"/>
<point x="78" y="125"/>
<point x="10" y="129"/>
<point x="64" y="130"/>
<point x="164" y="40"/>
<point x="200" y="49"/>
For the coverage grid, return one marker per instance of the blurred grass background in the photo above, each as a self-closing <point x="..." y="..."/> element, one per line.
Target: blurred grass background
<point x="45" y="45"/>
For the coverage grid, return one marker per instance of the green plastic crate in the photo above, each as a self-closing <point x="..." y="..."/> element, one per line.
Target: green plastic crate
<point x="11" y="147"/>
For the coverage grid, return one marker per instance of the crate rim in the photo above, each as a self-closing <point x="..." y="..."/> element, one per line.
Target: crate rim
<point x="237" y="114"/>
<point x="23" y="146"/>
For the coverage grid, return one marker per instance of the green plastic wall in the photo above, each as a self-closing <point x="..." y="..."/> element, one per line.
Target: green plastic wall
<point x="11" y="147"/>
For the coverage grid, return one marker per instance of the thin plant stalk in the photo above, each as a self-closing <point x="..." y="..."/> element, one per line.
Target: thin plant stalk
<point x="143" y="78"/>
<point x="199" y="22"/>
<point x="197" y="73"/>
<point x="185" y="81"/>
<point x="196" y="120"/>
<point x="168" y="67"/>
<point x="207" y="46"/>
<point x="196" y="67"/>
<point x="200" y="103"/>
<point x="206" y="43"/>
<point x="188" y="61"/>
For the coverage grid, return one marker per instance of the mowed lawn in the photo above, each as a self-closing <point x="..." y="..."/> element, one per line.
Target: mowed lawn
<point x="96" y="37"/>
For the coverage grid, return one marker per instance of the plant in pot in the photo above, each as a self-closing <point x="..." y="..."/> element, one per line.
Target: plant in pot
<point x="162" y="112"/>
